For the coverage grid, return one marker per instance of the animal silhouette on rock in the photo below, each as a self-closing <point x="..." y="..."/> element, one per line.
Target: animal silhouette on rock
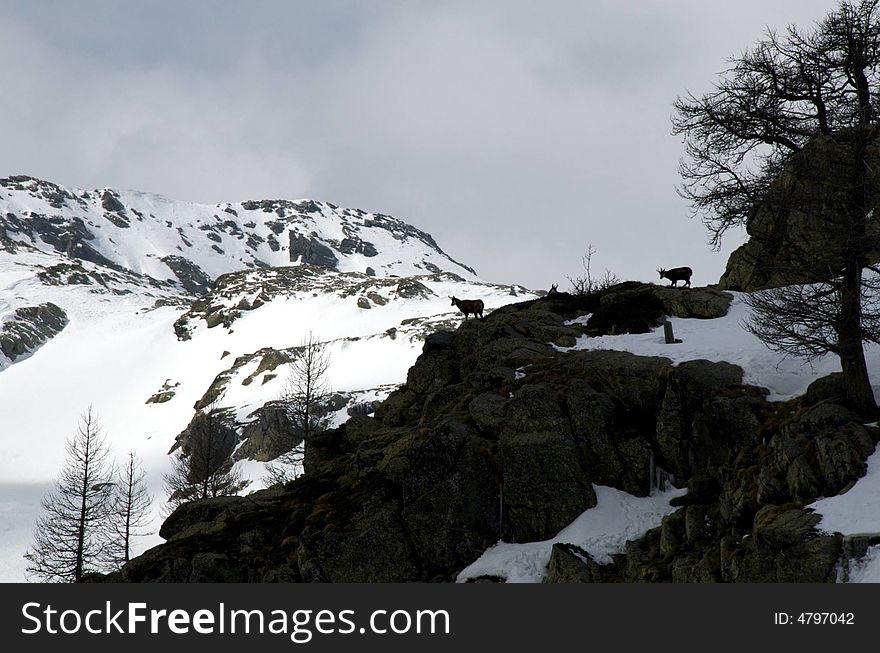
<point x="469" y="306"/>
<point x="677" y="274"/>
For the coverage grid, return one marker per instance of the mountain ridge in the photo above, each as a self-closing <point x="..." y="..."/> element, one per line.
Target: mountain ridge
<point x="188" y="244"/>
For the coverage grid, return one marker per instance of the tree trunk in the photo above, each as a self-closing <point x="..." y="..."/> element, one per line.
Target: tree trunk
<point x="859" y="395"/>
<point x="79" y="567"/>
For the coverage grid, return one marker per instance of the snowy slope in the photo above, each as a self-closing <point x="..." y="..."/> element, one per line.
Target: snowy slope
<point x="118" y="351"/>
<point x="120" y="344"/>
<point x="725" y="339"/>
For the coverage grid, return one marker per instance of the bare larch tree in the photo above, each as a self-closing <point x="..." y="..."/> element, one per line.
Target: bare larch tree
<point x="131" y="509"/>
<point x="304" y="391"/>
<point x="202" y="466"/>
<point x="792" y="127"/>
<point x="72" y="535"/>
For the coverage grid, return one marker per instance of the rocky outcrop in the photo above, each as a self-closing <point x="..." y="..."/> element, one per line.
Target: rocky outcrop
<point x="236" y="293"/>
<point x="793" y="231"/>
<point x="633" y="307"/>
<point x="310" y="250"/>
<point x="29" y="328"/>
<point x="268" y="435"/>
<point x="497" y="434"/>
<point x="192" y="278"/>
<point x="66" y="235"/>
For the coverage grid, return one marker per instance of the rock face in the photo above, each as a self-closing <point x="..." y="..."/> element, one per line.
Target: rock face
<point x="311" y="250"/>
<point x="29" y="328"/>
<point x="192" y="278"/>
<point x="499" y="435"/>
<point x="792" y="229"/>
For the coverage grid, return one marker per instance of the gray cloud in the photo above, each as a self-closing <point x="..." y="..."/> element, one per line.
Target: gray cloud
<point x="515" y="132"/>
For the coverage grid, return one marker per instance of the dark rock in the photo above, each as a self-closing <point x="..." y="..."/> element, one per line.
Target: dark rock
<point x="192" y="278"/>
<point x="312" y="251"/>
<point x="373" y="532"/>
<point x="672" y="533"/>
<point x="610" y="456"/>
<point x="409" y="288"/>
<point x="792" y="235"/>
<point x="571" y="564"/>
<point x="188" y="515"/>
<point x="110" y="202"/>
<point x="269" y="435"/>
<point x="354" y="245"/>
<point x="687" y="387"/>
<point x="544" y="485"/>
<point x="635" y="383"/>
<point x="629" y="311"/>
<point x="161" y="397"/>
<point x="828" y="388"/>
<point x="702" y="303"/>
<point x="362" y="408"/>
<point x="117" y="220"/>
<point x="488" y="411"/>
<point x="29" y="328"/>
<point x="450" y="481"/>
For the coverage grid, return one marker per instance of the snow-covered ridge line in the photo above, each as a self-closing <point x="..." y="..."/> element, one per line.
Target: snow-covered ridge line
<point x="190" y="244"/>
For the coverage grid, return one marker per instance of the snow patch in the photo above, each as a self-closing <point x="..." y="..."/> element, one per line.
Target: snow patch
<point x="601" y="531"/>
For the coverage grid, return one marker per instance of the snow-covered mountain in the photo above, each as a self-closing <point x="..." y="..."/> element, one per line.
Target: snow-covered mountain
<point x="184" y="245"/>
<point x="141" y="306"/>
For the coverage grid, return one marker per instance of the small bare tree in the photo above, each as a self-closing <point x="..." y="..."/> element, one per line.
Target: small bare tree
<point x="131" y="509"/>
<point x="304" y="391"/>
<point x="202" y="466"/>
<point x="71" y="537"/>
<point x="585" y="284"/>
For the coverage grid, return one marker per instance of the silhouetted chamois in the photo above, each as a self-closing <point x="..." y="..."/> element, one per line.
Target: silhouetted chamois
<point x="466" y="306"/>
<point x="553" y="290"/>
<point x="677" y="274"/>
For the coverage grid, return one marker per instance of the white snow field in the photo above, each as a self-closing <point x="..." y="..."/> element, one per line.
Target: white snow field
<point x="117" y="351"/>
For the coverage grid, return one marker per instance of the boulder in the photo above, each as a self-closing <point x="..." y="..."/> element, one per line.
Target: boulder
<point x="268" y="435"/>
<point x="544" y="485"/>
<point x="702" y="303"/>
<point x="828" y="388"/>
<point x="571" y="564"/>
<point x="794" y="232"/>
<point x="629" y="311"/>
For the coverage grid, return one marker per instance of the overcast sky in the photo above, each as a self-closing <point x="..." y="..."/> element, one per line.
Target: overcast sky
<point x="516" y="133"/>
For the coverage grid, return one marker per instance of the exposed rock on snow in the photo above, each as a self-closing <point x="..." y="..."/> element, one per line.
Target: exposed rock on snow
<point x="28" y="328"/>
